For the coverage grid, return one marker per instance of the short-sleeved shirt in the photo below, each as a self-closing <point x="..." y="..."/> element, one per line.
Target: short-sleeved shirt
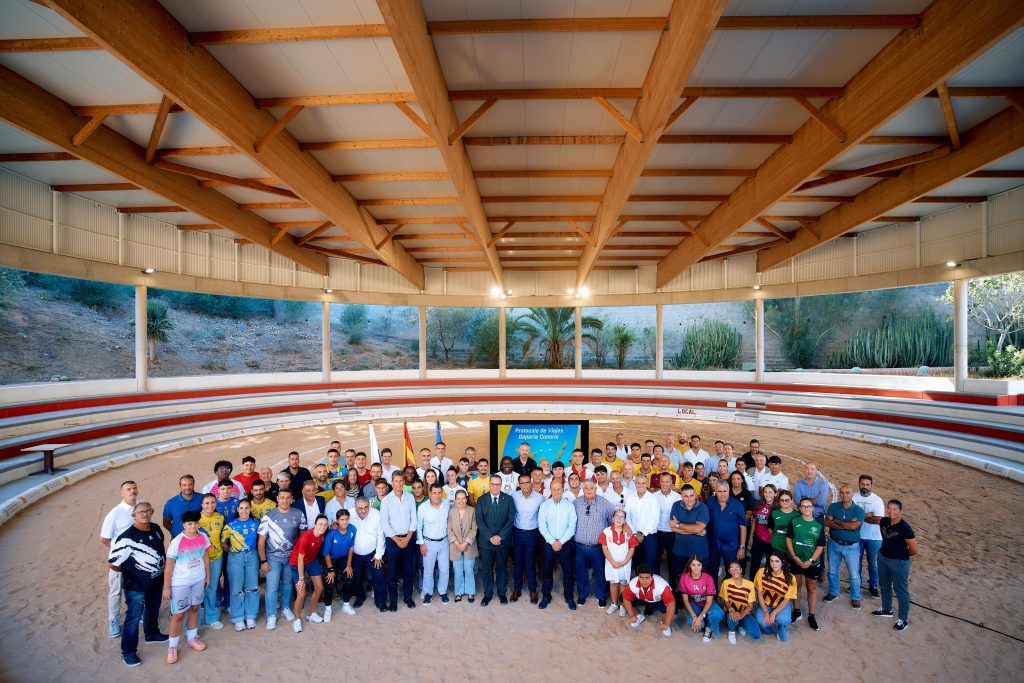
<point x="282" y="529"/>
<point x="240" y="536"/>
<point x="873" y="505"/>
<point x="806" y="536"/>
<point x="773" y="587"/>
<point x="724" y="525"/>
<point x="175" y="507"/>
<point x="762" y="513"/>
<point x="308" y="545"/>
<point x="690" y="544"/>
<point x="658" y="591"/>
<point x="213" y="527"/>
<point x="116" y="521"/>
<point x="187" y="554"/>
<point x="697" y="591"/>
<point x="737" y="594"/>
<point x="854" y="513"/>
<point x="778" y="522"/>
<point x="228" y="509"/>
<point x="246" y="480"/>
<point x="337" y="542"/>
<point x="262" y="508"/>
<point x="140" y="555"/>
<point x="477" y="487"/>
<point x="894" y="539"/>
<point x="693" y="483"/>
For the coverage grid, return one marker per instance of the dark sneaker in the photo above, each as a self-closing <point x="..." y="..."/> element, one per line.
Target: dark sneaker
<point x="829" y="598"/>
<point x="426" y="600"/>
<point x="900" y="625"/>
<point x="132" y="659"/>
<point x="855" y="604"/>
<point x="158" y="638"/>
<point x="812" y="622"/>
<point x="875" y="593"/>
<point x="797" y="616"/>
<point x="602" y="604"/>
<point x="887" y="613"/>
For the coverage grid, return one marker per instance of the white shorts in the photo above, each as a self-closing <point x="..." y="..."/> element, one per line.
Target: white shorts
<point x="184" y="597"/>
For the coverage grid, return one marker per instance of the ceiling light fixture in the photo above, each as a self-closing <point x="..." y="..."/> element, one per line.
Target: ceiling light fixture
<point x="757" y="287"/>
<point x="952" y="264"/>
<point x="149" y="271"/>
<point x="328" y="291"/>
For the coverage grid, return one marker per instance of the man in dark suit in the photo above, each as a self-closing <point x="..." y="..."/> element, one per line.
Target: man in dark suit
<point x="494" y="516"/>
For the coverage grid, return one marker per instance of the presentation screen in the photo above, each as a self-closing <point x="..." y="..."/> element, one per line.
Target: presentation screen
<point x="549" y="439"/>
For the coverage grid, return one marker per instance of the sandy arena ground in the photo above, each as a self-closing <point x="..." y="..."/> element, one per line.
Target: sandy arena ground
<point x="53" y="579"/>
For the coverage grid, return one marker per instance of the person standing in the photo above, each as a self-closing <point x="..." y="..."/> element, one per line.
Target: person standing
<point x="368" y="553"/>
<point x="898" y="545"/>
<point x="675" y="456"/>
<point x="557" y="525"/>
<point x="248" y="474"/>
<point x="432" y="539"/>
<point x="259" y="502"/>
<point x="211" y="523"/>
<point x="187" y="499"/>
<point x="775" y="476"/>
<point x="495" y="515"/>
<point x="870" y="534"/>
<point x="695" y="454"/>
<point x="478" y="484"/>
<point x="727" y="521"/>
<point x="387" y="470"/>
<point x="338" y="550"/>
<point x="593" y="515"/>
<point x="298" y="475"/>
<point x="813" y="486"/>
<point x="527" y="502"/>
<point x="239" y="538"/>
<point x="688" y="521"/>
<point x="666" y="497"/>
<point x="278" y="531"/>
<point x="221" y="471"/>
<point x="186" y="575"/>
<point x="805" y="542"/>
<point x="305" y="561"/>
<point x="642" y="515"/>
<point x="618" y="545"/>
<point x="310" y="504"/>
<point x="398" y="518"/>
<point x="759" y="539"/>
<point x="524" y="463"/>
<point x="115" y="523"/>
<point x="463" y="547"/>
<point x="843" y="520"/>
<point x="137" y="555"/>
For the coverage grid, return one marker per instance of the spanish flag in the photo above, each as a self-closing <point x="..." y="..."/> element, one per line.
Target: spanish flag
<point x="408" y="457"/>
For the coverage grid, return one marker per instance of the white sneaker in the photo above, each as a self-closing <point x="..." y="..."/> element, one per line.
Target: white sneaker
<point x="667" y="632"/>
<point x="216" y="625"/>
<point x="622" y="611"/>
<point x="297" y="626"/>
<point x="314" y="618"/>
<point x="271" y="623"/>
<point x="348" y="609"/>
<point x="707" y="635"/>
<point x="639" y="620"/>
<point x="613" y="608"/>
<point x="328" y="613"/>
<point x="250" y="623"/>
<point x="239" y="626"/>
<point x="288" y="614"/>
<point x="732" y="637"/>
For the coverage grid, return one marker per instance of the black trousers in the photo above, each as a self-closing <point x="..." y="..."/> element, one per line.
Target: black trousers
<point x="491" y="555"/>
<point x="565" y="560"/>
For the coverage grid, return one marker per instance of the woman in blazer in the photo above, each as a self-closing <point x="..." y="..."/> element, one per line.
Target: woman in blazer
<point x="462" y="538"/>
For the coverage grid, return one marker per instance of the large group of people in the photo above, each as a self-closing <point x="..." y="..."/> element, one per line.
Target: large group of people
<point x="667" y="529"/>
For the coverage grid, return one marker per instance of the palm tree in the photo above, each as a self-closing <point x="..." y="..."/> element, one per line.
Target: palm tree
<point x="552" y="331"/>
<point x="622" y="339"/>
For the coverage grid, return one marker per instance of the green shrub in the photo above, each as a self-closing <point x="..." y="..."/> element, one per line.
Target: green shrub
<point x="352" y="321"/>
<point x="906" y="341"/>
<point x="11" y="282"/>
<point x="1006" y="363"/>
<point x="710" y="344"/>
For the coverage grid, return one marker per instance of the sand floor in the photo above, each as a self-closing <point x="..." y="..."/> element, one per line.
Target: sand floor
<point x="969" y="525"/>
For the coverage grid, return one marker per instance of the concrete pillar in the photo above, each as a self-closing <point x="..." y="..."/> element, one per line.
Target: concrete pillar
<point x="758" y="340"/>
<point x="325" y="338"/>
<point x="141" y="341"/>
<point x="578" y="344"/>
<point x="423" y="342"/>
<point x="502" y="342"/>
<point x="959" y="334"/>
<point x="659" y="341"/>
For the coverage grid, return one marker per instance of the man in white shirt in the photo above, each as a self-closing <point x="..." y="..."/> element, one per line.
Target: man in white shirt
<point x="642" y="513"/>
<point x="695" y="454"/>
<point x="368" y="554"/>
<point x="666" y="497"/>
<point x="760" y="474"/>
<point x="621" y="447"/>
<point x="870" y="532"/>
<point x="524" y="538"/>
<point x="432" y="539"/>
<point x="556" y="522"/>
<point x="114" y="524"/>
<point x="425" y="460"/>
<point x="775" y="477"/>
<point x="617" y="494"/>
<point x="387" y="469"/>
<point x="440" y="461"/>
<point x="311" y="505"/>
<point x="628" y="480"/>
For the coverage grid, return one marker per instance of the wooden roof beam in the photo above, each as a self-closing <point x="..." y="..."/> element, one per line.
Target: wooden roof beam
<point x="837" y="176"/>
<point x="470" y="122"/>
<point x="95" y="187"/>
<point x="278" y="126"/>
<point x="501" y="233"/>
<point x="407" y="26"/>
<point x="620" y="119"/>
<point x="901" y="73"/>
<point x="158" y="128"/>
<point x="203" y="174"/>
<point x="947" y="113"/>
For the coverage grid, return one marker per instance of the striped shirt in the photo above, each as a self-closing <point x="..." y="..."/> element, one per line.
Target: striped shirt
<point x="773" y="587"/>
<point x="592" y="518"/>
<point x="737" y="595"/>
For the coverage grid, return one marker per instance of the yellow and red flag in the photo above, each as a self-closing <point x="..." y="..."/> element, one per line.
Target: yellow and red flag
<point x="407" y="454"/>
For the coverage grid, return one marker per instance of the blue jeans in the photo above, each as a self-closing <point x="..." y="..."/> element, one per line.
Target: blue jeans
<point x="141" y="606"/>
<point x="524" y="554"/>
<point x="244" y="570"/>
<point x="212" y="599"/>
<point x="781" y="622"/>
<point x="279" y="580"/>
<point x="590" y="558"/>
<point x="712" y="620"/>
<point x="894" y="575"/>
<point x="437" y="555"/>
<point x="748" y="622"/>
<point x="850" y="554"/>
<point x="870" y="548"/>
<point x="465" y="581"/>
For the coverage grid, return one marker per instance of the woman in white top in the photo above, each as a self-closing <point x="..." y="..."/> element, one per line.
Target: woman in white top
<point x="618" y="545"/>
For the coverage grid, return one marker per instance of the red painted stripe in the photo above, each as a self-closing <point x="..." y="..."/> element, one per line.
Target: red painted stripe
<point x="24" y="409"/>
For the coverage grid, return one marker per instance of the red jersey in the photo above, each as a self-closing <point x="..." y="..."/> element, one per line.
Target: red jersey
<point x="309" y="545"/>
<point x="365" y="478"/>
<point x="247" y="480"/>
<point x="659" y="590"/>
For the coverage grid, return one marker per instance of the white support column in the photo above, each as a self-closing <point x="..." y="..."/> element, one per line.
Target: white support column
<point x="325" y="335"/>
<point x="54" y="220"/>
<point x="959" y="334"/>
<point x="423" y="342"/>
<point x="984" y="229"/>
<point x="659" y="341"/>
<point x="578" y="345"/>
<point x="502" y="342"/>
<point x="141" y="341"/>
<point x="758" y="340"/>
<point x="120" y="238"/>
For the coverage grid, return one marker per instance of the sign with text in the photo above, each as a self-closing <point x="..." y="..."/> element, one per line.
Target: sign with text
<point x="549" y="440"/>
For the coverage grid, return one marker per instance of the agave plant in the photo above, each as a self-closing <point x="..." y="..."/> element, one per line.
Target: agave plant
<point x="552" y="333"/>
